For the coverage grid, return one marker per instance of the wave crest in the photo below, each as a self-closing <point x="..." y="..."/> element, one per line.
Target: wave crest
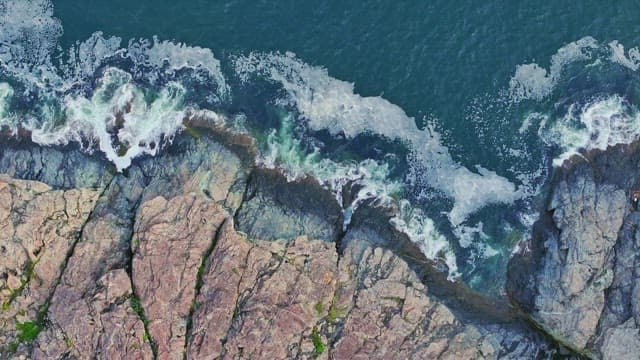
<point x="326" y="103"/>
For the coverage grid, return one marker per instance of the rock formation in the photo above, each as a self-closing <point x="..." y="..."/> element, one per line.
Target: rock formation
<point x="197" y="254"/>
<point x="579" y="277"/>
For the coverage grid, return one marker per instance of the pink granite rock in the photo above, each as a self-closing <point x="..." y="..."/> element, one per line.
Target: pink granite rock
<point x="38" y="228"/>
<point x="170" y="241"/>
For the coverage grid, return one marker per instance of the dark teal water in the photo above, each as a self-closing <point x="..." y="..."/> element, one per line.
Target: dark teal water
<point x="428" y="57"/>
<point x="451" y="66"/>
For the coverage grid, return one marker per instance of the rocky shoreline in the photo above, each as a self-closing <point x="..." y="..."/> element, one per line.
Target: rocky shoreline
<point x="197" y="253"/>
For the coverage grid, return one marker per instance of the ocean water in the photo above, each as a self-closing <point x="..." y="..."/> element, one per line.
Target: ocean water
<point x="455" y="113"/>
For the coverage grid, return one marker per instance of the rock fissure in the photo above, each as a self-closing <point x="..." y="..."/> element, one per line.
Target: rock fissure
<point x="134" y="300"/>
<point x="199" y="282"/>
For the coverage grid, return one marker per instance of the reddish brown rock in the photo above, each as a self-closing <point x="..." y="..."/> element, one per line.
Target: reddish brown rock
<point x="385" y="312"/>
<point x="170" y="241"/>
<point x="89" y="314"/>
<point x="217" y="300"/>
<point x="38" y="227"/>
<point x="160" y="270"/>
<point x="277" y="314"/>
<point x="279" y="300"/>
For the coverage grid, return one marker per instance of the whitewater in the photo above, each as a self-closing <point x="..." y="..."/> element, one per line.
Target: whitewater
<point x="124" y="101"/>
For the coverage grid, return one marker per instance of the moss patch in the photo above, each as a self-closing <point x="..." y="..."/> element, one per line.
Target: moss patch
<point x="137" y="307"/>
<point x="28" y="275"/>
<point x="318" y="345"/>
<point x="12" y="347"/>
<point x="28" y="331"/>
<point x="319" y="307"/>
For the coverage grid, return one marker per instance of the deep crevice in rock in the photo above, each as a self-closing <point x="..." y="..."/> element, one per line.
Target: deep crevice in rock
<point x="134" y="301"/>
<point x="44" y="308"/>
<point x="204" y="266"/>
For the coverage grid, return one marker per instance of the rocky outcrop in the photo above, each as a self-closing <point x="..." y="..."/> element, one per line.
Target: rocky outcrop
<point x="56" y="167"/>
<point x="578" y="278"/>
<point x="38" y="228"/>
<point x="196" y="254"/>
<point x="89" y="309"/>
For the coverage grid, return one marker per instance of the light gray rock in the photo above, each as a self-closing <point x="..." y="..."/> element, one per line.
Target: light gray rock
<point x="578" y="278"/>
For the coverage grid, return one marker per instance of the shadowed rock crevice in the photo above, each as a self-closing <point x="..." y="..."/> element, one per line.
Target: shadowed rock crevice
<point x="59" y="167"/>
<point x="301" y="207"/>
<point x="134" y="298"/>
<point x="199" y="282"/>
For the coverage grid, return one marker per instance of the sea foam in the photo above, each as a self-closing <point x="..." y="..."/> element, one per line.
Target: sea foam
<point x="137" y="105"/>
<point x="598" y="124"/>
<point x="631" y="59"/>
<point x="326" y="103"/>
<point x="372" y="181"/>
<point x="117" y="119"/>
<point x="29" y="33"/>
<point x="534" y="82"/>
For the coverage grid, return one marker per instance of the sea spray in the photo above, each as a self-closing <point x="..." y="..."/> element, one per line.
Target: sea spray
<point x="118" y="119"/>
<point x="599" y="124"/>
<point x="6" y="93"/>
<point x="533" y="82"/>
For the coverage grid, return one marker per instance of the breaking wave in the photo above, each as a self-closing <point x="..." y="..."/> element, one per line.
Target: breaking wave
<point x="124" y="101"/>
<point x="326" y="103"/>
<point x="599" y="124"/>
<point x="532" y="81"/>
<point x="602" y="117"/>
<point x="374" y="183"/>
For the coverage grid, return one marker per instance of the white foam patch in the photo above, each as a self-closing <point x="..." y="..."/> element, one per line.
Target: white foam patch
<point x="475" y="238"/>
<point x="152" y="60"/>
<point x="172" y="57"/>
<point x="6" y="92"/>
<point x="86" y="57"/>
<point x="285" y="152"/>
<point x="115" y="117"/>
<point x="29" y="32"/>
<point x="118" y="108"/>
<point x="326" y="103"/>
<point x="423" y="232"/>
<point x="534" y="82"/>
<point x="597" y="125"/>
<point x="631" y="59"/>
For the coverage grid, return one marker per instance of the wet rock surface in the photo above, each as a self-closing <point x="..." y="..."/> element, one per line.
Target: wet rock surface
<point x="196" y="254"/>
<point x="578" y="278"/>
<point x="295" y="208"/>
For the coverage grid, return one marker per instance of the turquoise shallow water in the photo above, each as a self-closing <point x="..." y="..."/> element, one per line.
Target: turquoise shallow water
<point x="505" y="90"/>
